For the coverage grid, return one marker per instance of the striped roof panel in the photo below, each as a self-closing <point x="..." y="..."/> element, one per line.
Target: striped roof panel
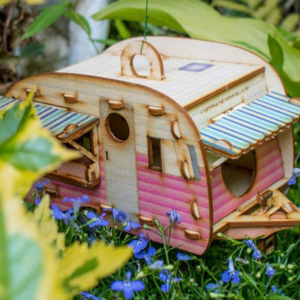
<point x="243" y="128"/>
<point x="56" y="119"/>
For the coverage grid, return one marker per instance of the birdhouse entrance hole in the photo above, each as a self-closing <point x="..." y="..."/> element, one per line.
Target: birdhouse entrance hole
<point x="117" y="126"/>
<point x="239" y="174"/>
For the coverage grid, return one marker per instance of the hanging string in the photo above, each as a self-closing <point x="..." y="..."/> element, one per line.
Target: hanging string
<point x="145" y="28"/>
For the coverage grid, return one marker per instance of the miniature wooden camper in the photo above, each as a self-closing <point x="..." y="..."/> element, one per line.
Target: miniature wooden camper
<point x="201" y="127"/>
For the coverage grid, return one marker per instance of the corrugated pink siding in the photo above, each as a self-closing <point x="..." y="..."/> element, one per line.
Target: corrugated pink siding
<point x="269" y="170"/>
<point x="160" y="193"/>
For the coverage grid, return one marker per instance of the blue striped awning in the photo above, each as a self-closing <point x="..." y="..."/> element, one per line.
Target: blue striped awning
<point x="61" y="122"/>
<point x="249" y="125"/>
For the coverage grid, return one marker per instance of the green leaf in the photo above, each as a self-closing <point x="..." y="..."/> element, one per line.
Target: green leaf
<point x="47" y="17"/>
<point x="79" y="20"/>
<point x="249" y="279"/>
<point x="278" y="297"/>
<point x="21" y="263"/>
<point x="233" y="6"/>
<point x="276" y="53"/>
<point x="27" y="151"/>
<point x="292" y="86"/>
<point x="31" y="155"/>
<point x="107" y="42"/>
<point x="122" y="29"/>
<point x="201" y="21"/>
<point x="252" y="48"/>
<point x="13" y="120"/>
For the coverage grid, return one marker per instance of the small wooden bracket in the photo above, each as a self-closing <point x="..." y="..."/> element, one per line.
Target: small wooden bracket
<point x="194" y="209"/>
<point x="103" y="206"/>
<point x="36" y="93"/>
<point x="150" y="53"/>
<point x="52" y="192"/>
<point x="148" y="221"/>
<point x="156" y="111"/>
<point x="295" y="101"/>
<point x="70" y="98"/>
<point x="185" y="171"/>
<point x="192" y="234"/>
<point x="175" y="129"/>
<point x="115" y="105"/>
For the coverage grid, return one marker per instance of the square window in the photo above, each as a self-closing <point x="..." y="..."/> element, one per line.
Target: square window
<point x="195" y="67"/>
<point x="154" y="154"/>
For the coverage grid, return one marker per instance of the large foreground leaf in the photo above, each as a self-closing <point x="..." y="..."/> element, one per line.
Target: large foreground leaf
<point x="201" y="21"/>
<point x="27" y="151"/>
<point x="35" y="264"/>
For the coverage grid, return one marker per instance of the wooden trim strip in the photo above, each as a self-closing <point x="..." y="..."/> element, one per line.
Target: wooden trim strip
<point x="67" y="178"/>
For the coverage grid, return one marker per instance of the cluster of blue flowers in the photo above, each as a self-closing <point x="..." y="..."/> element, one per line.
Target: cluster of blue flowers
<point x="127" y="286"/>
<point x="235" y="276"/>
<point x="139" y="251"/>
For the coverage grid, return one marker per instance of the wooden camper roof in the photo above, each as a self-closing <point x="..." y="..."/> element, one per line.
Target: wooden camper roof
<point x="247" y="125"/>
<point x="61" y="122"/>
<point x="186" y="80"/>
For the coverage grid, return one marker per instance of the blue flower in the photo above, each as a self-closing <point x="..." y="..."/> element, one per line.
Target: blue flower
<point x="181" y="256"/>
<point x="39" y="186"/>
<point x="37" y="201"/>
<point x="293" y="180"/>
<point x="146" y="255"/>
<point x="231" y="274"/>
<point x="249" y="243"/>
<point x="97" y="221"/>
<point x="117" y="214"/>
<point x="128" y="287"/>
<point x="139" y="244"/>
<point x="275" y="290"/>
<point x="156" y="265"/>
<point x="87" y="296"/>
<point x="256" y="254"/>
<point x="77" y="202"/>
<point x="58" y="214"/>
<point x="174" y="216"/>
<point x="213" y="287"/>
<point x="127" y="224"/>
<point x="165" y="276"/>
<point x="269" y="270"/>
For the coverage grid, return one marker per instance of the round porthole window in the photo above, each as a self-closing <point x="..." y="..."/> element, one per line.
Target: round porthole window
<point x="117" y="126"/>
<point x="238" y="174"/>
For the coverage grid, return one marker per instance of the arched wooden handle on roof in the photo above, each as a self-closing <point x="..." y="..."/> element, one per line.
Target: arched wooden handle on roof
<point x="150" y="53"/>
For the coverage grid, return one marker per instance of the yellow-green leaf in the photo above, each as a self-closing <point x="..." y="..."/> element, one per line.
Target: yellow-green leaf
<point x="47" y="227"/>
<point x="27" y="151"/>
<point x="82" y="266"/>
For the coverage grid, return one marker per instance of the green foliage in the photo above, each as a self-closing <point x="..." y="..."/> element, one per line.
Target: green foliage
<point x="47" y="17"/>
<point x="34" y="261"/>
<point x="201" y="21"/>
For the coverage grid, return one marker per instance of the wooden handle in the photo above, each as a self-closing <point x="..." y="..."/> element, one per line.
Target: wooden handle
<point x="150" y="53"/>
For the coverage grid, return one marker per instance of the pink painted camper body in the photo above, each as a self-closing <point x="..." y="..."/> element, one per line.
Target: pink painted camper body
<point x="195" y="126"/>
